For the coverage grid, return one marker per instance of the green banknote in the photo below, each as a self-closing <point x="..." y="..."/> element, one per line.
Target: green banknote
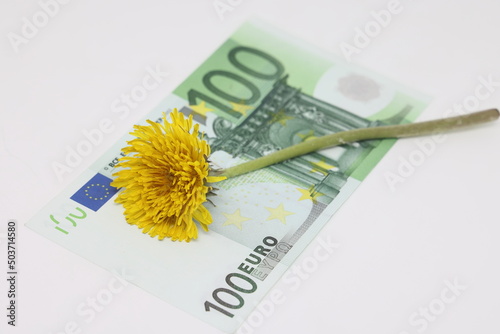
<point x="258" y="92"/>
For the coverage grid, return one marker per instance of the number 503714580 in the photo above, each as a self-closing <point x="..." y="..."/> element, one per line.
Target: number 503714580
<point x="11" y="245"/>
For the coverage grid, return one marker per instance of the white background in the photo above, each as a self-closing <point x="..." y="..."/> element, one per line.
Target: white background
<point x="398" y="245"/>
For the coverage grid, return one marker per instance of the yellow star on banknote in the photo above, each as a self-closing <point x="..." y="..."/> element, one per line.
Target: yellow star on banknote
<point x="279" y="213"/>
<point x="306" y="194"/>
<point x="201" y="108"/>
<point x="281" y="117"/>
<point x="306" y="136"/>
<point x="235" y="219"/>
<point x="240" y="108"/>
<point x="320" y="166"/>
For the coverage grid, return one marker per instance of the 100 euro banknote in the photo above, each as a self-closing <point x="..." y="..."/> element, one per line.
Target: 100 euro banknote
<point x="259" y="92"/>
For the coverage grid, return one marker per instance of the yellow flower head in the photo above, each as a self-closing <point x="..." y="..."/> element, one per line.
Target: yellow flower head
<point x="165" y="181"/>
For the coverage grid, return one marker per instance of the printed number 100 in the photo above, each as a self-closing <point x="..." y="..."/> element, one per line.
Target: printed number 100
<point x="277" y="70"/>
<point x="221" y="295"/>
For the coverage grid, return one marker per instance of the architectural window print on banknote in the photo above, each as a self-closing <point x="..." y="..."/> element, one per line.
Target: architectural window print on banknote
<point x="285" y="116"/>
<point x="259" y="92"/>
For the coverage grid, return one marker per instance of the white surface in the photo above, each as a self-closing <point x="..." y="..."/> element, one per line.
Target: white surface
<point x="397" y="247"/>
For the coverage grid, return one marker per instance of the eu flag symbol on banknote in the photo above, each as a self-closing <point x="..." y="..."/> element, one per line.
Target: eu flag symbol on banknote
<point x="95" y="193"/>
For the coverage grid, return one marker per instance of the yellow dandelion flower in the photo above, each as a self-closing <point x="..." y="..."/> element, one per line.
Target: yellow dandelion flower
<point x="166" y="181"/>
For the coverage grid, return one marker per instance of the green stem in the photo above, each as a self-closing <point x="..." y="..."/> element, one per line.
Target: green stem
<point x="344" y="137"/>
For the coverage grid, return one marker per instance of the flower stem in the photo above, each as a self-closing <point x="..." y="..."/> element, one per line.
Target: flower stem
<point x="379" y="132"/>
